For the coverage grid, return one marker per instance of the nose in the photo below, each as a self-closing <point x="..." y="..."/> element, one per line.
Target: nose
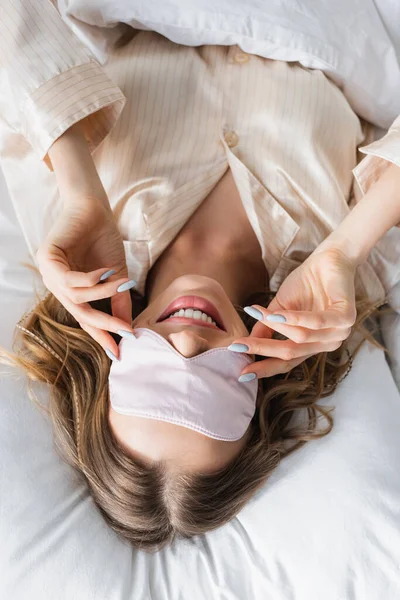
<point x="188" y="343"/>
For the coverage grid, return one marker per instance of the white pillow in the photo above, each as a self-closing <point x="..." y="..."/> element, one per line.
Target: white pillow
<point x="325" y="526"/>
<point x="353" y="41"/>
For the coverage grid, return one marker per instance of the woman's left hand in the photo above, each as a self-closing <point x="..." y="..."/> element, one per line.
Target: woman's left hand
<point x="317" y="303"/>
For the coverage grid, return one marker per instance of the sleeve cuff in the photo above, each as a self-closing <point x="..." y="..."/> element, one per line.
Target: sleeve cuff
<point x="82" y="92"/>
<point x="380" y="155"/>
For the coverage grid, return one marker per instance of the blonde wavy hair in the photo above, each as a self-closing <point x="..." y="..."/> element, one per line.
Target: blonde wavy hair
<point x="148" y="505"/>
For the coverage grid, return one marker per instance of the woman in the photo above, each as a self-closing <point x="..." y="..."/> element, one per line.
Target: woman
<point x="226" y="181"/>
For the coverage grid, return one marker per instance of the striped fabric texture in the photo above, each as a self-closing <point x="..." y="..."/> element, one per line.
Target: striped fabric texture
<point x="166" y="121"/>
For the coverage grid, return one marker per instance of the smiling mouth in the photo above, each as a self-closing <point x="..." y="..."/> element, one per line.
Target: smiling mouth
<point x="193" y="310"/>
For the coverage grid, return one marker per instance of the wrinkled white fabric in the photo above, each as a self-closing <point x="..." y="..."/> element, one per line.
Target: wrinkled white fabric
<point x="356" y="43"/>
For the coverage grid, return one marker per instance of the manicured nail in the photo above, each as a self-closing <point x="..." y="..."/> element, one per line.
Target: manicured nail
<point x="111" y="354"/>
<point x="126" y="286"/>
<point x="126" y="334"/>
<point x="247" y="377"/>
<point x="238" y="347"/>
<point x="253" y="312"/>
<point x="276" y="318"/>
<point x="107" y="274"/>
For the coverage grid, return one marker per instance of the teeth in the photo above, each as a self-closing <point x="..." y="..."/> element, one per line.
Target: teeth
<point x="193" y="313"/>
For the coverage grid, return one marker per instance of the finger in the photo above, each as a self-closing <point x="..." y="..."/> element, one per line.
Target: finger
<point x="342" y="316"/>
<point x="76" y="279"/>
<point x="273" y="366"/>
<point x="80" y="295"/>
<point x="52" y="261"/>
<point x="260" y="330"/>
<point x="285" y="349"/>
<point x="121" y="306"/>
<point x="84" y="313"/>
<point x="303" y="335"/>
<point x="103" y="338"/>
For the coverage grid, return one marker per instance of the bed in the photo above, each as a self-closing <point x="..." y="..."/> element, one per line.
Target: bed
<point x="326" y="525"/>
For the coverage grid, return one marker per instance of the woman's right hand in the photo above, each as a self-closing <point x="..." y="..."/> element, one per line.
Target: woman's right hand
<point x="84" y="244"/>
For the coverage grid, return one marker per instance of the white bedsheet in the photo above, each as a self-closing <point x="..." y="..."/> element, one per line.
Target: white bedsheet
<point x="326" y="526"/>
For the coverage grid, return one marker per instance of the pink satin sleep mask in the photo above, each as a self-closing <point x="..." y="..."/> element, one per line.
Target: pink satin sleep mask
<point x="155" y="381"/>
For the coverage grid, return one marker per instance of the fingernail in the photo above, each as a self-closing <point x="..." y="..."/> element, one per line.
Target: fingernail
<point x="247" y="377"/>
<point x="107" y="274"/>
<point x="253" y="312"/>
<point x="238" y="347"/>
<point x="276" y="318"/>
<point x="111" y="354"/>
<point x="126" y="334"/>
<point x="126" y="286"/>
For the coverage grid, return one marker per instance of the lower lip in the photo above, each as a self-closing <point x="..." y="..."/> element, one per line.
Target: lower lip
<point x="197" y="303"/>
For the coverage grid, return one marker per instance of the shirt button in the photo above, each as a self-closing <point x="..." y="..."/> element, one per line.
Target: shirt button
<point x="241" y="57"/>
<point x="231" y="138"/>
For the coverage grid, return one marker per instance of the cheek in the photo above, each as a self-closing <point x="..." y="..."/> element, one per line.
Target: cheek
<point x="242" y="329"/>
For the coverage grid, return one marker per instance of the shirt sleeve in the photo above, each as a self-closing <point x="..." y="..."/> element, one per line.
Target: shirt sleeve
<point x="380" y="155"/>
<point x="50" y="79"/>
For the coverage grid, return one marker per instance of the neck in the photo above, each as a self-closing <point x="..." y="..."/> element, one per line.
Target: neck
<point x="240" y="275"/>
<point x="218" y="242"/>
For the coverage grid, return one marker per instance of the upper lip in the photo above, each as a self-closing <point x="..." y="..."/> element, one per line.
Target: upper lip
<point x="196" y="302"/>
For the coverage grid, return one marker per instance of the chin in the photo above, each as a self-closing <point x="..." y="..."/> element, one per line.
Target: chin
<point x="193" y="281"/>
